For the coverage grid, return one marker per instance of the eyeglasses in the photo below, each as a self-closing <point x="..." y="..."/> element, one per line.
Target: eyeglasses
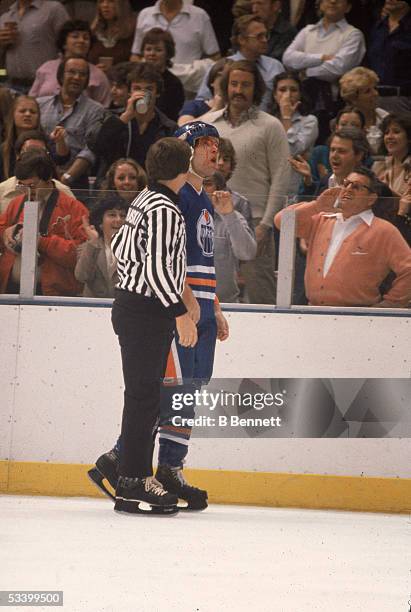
<point x="261" y="36"/>
<point x="355" y="186"/>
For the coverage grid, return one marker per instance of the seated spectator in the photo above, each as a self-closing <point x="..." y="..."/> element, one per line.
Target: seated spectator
<point x="291" y="109"/>
<point x="113" y="33"/>
<point x="24" y="115"/>
<point x="325" y="51"/>
<point x="395" y="169"/>
<point x="96" y="265"/>
<point x="74" y="111"/>
<point x="280" y="31"/>
<point x="158" y="49"/>
<point x="350" y="251"/>
<point x="132" y="133"/>
<point x="194" y="109"/>
<point x="348" y="148"/>
<point x="117" y="76"/>
<point x="60" y="231"/>
<point x="226" y="163"/>
<point x="389" y="55"/>
<point x="28" y="33"/>
<point x="28" y="140"/>
<point x="358" y="87"/>
<point x="74" y="40"/>
<point x="189" y="25"/>
<point x="234" y="241"/>
<point x="126" y="177"/>
<point x="349" y="116"/>
<point x="249" y="39"/>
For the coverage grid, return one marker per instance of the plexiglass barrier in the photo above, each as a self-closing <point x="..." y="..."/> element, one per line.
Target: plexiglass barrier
<point x="55" y="243"/>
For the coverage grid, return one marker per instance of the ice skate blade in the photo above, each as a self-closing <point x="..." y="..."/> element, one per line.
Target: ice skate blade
<point x="97" y="478"/>
<point x="126" y="506"/>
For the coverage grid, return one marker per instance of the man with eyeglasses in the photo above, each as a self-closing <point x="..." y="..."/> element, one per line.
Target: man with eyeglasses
<point x="280" y="31"/>
<point x="350" y="250"/>
<point x="250" y="39"/>
<point x="74" y="111"/>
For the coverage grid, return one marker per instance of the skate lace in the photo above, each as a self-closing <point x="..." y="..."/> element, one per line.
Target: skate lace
<point x="178" y="475"/>
<point x="152" y="485"/>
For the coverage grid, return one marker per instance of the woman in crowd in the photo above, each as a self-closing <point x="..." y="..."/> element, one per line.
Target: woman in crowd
<point x="96" y="265"/>
<point x="126" y="177"/>
<point x="291" y="109"/>
<point x="358" y="88"/>
<point x="24" y="115"/>
<point x="194" y="109"/>
<point x="113" y="32"/>
<point x="395" y="168"/>
<point x="158" y="48"/>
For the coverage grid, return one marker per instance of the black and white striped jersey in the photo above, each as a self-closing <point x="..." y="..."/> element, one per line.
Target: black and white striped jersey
<point x="150" y="248"/>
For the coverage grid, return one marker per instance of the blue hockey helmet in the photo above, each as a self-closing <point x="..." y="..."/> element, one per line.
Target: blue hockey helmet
<point x="195" y="129"/>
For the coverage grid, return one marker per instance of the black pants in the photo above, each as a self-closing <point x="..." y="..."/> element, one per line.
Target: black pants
<point x="145" y="336"/>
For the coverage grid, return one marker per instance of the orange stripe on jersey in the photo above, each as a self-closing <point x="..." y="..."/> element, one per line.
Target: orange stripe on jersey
<point x="201" y="281"/>
<point x="171" y="371"/>
<point x="186" y="430"/>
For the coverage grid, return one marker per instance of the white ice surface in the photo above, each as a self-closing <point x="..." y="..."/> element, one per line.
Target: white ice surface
<point x="228" y="558"/>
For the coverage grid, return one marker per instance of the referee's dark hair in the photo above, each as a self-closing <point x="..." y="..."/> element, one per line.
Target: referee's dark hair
<point x="34" y="163"/>
<point x="167" y="158"/>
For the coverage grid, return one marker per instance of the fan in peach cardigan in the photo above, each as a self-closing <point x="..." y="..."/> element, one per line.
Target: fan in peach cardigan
<point x="351" y="252"/>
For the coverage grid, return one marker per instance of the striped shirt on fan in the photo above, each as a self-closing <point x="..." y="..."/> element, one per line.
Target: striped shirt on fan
<point x="151" y="249"/>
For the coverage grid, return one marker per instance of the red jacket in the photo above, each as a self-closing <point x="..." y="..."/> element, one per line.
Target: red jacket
<point x="57" y="250"/>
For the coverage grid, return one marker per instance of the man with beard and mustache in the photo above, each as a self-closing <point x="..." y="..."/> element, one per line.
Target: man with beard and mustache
<point x="262" y="171"/>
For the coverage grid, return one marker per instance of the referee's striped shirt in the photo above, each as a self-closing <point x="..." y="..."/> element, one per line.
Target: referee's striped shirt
<point x="150" y="248"/>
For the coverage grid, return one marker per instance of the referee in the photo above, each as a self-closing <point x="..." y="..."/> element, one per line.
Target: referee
<point x="150" y="249"/>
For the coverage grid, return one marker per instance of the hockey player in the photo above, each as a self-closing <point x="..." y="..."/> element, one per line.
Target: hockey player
<point x="187" y="367"/>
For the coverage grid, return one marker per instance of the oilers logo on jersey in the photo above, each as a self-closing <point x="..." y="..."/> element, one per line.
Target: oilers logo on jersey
<point x="205" y="233"/>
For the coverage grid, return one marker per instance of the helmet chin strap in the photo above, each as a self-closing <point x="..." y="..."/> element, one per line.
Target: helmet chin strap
<point x="191" y="169"/>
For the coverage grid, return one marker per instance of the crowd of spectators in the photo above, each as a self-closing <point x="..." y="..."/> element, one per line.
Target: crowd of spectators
<point x="307" y="96"/>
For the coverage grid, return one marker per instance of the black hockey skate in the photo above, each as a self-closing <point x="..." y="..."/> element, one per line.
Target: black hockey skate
<point x="173" y="481"/>
<point x="107" y="467"/>
<point x="144" y="496"/>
